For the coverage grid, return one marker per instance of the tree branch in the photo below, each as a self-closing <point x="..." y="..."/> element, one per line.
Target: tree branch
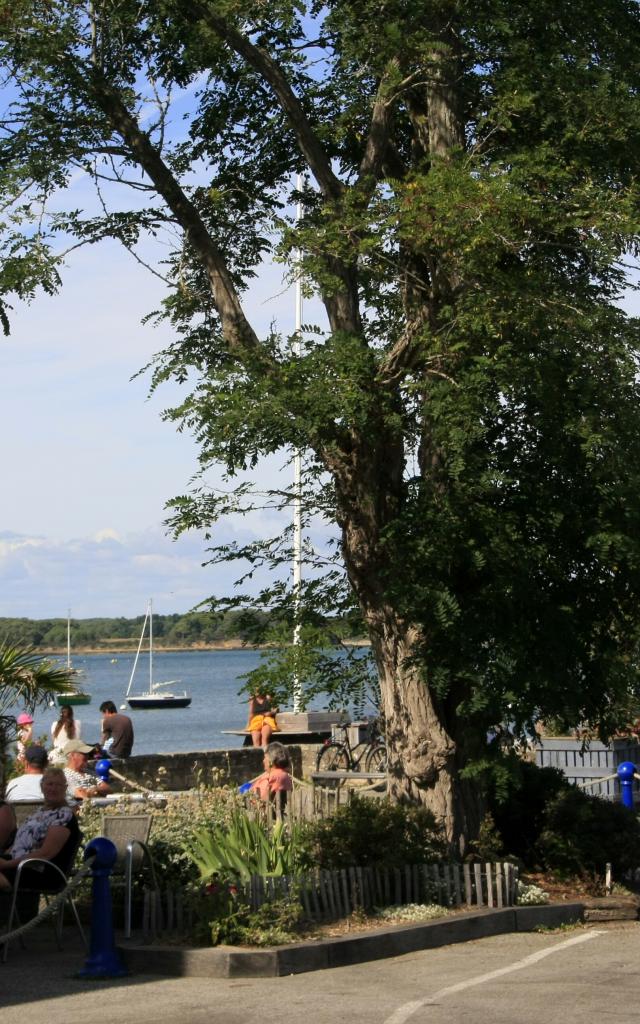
<point x="263" y="63"/>
<point x="236" y="329"/>
<point x="378" y="139"/>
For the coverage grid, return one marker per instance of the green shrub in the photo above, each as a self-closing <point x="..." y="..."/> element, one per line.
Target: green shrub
<point x="372" y="832"/>
<point x="549" y="824"/>
<point x="172" y="827"/>
<point x="582" y="833"/>
<point x="519" y="810"/>
<point x="244" y="847"/>
<point x="223" y="917"/>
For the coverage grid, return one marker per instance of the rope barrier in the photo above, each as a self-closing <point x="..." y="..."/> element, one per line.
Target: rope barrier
<point x="127" y="782"/>
<point x="52" y="906"/>
<point x="596" y="782"/>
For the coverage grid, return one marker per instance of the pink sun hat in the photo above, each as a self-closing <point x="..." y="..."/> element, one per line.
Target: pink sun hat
<point x="24" y="719"/>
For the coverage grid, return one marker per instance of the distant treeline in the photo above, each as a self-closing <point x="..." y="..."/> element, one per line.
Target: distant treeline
<point x="168" y="630"/>
<point x="190" y="630"/>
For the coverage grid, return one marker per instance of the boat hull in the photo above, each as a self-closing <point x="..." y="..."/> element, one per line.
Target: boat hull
<point x="64" y="699"/>
<point x="155" y="701"/>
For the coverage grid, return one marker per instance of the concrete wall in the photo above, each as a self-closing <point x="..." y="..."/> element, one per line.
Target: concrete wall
<point x="208" y="767"/>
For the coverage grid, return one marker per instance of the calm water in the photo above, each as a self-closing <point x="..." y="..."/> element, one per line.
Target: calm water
<point x="210" y="677"/>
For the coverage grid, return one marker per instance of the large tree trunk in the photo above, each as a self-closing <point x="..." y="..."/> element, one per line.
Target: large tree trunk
<point x="426" y="741"/>
<point x="425" y="758"/>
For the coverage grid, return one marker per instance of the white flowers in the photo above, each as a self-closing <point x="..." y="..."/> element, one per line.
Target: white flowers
<point x="411" y="912"/>
<point x="530" y="895"/>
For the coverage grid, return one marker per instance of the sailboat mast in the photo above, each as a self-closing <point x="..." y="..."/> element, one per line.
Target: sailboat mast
<point x="150" y="645"/>
<point x="135" y="662"/>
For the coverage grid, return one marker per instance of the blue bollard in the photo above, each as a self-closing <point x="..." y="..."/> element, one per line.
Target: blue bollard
<point x="103" y="960"/>
<point x="626" y="771"/>
<point x="102" y="769"/>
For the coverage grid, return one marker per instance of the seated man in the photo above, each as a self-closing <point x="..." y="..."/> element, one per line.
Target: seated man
<point x="27" y="786"/>
<point x="81" y="783"/>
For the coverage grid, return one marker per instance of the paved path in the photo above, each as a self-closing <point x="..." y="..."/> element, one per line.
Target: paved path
<point x="568" y="976"/>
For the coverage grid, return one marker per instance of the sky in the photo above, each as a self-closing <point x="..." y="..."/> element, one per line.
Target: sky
<point x="88" y="464"/>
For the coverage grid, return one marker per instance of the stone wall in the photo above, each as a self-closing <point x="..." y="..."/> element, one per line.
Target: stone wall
<point x="208" y="767"/>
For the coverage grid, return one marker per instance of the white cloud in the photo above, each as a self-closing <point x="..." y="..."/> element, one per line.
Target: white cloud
<point x="113" y="575"/>
<point x="106" y="534"/>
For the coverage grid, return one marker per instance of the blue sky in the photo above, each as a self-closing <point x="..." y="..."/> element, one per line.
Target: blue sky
<point x="88" y="463"/>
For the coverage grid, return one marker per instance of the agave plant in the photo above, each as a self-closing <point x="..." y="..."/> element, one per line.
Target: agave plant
<point x="27" y="680"/>
<point x="245" y="848"/>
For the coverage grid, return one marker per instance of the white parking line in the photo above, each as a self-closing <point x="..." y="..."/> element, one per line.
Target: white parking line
<point x="403" y="1013"/>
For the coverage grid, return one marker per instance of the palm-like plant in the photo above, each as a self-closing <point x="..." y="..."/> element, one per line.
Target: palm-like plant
<point x="28" y="680"/>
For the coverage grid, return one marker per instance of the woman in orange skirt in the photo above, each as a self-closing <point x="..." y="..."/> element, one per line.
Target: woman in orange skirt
<point x="262" y="719"/>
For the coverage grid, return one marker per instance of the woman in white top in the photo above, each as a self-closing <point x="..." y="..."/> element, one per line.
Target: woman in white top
<point x="66" y="728"/>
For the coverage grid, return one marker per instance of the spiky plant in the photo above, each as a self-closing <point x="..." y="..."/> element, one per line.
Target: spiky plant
<point x="29" y="680"/>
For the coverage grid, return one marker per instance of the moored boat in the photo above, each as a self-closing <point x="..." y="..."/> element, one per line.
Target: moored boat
<point x="152" y="698"/>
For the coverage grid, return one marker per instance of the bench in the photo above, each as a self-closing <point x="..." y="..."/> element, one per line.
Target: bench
<point x="284" y="735"/>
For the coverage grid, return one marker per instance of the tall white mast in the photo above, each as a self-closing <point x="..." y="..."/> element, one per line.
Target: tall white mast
<point x="297" y="472"/>
<point x="150" y="645"/>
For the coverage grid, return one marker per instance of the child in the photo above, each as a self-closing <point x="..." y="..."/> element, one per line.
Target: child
<point x="25" y="735"/>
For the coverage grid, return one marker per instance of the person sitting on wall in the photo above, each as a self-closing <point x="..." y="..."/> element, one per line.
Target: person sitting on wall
<point x="276" y="778"/>
<point x="81" y="783"/>
<point x="262" y="719"/>
<point x="27" y="786"/>
<point x="117" y="731"/>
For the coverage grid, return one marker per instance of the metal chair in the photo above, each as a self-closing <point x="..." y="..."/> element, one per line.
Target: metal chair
<point x="23" y="809"/>
<point x="129" y="833"/>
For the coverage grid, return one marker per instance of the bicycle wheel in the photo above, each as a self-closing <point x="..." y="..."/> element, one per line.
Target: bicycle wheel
<point x="376" y="760"/>
<point x="332" y="758"/>
<point x="359" y="756"/>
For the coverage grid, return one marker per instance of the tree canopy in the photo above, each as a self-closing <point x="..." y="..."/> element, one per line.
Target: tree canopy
<point x="470" y="416"/>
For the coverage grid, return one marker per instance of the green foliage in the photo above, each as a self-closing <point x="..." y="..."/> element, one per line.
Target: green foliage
<point x="224" y="918"/>
<point x="245" y="847"/>
<point x="488" y="846"/>
<point x="191" y="629"/>
<point x="372" y="832"/>
<point x="27" y="681"/>
<point x="582" y="833"/>
<point x="520" y="806"/>
<point x="173" y="827"/>
<point x="549" y="824"/>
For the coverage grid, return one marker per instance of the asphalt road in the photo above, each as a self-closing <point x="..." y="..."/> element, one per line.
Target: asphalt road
<point x="567" y="976"/>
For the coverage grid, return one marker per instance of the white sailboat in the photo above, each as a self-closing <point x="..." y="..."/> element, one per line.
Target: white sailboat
<point x="153" y="697"/>
<point x="77" y="696"/>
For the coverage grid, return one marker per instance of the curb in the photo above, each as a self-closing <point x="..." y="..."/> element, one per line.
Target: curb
<point x="300" y="957"/>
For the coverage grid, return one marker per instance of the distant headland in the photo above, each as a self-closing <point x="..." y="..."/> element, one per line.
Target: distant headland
<point x="193" y="631"/>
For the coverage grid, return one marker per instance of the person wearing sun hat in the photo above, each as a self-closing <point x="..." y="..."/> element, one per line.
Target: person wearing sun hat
<point x="24" y="722"/>
<point x="81" y="783"/>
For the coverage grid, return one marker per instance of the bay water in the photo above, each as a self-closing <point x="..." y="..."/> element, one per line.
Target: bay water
<point x="212" y="678"/>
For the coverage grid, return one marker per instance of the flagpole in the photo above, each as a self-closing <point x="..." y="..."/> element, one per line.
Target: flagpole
<point x="297" y="473"/>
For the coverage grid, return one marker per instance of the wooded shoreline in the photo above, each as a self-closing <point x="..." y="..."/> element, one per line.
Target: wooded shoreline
<point x="121" y="647"/>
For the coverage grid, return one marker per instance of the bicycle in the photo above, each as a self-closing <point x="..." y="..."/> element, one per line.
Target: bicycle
<point x="340" y="755"/>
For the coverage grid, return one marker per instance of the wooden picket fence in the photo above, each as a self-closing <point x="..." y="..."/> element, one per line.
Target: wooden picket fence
<point x="331" y="895"/>
<point x="305" y="803"/>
